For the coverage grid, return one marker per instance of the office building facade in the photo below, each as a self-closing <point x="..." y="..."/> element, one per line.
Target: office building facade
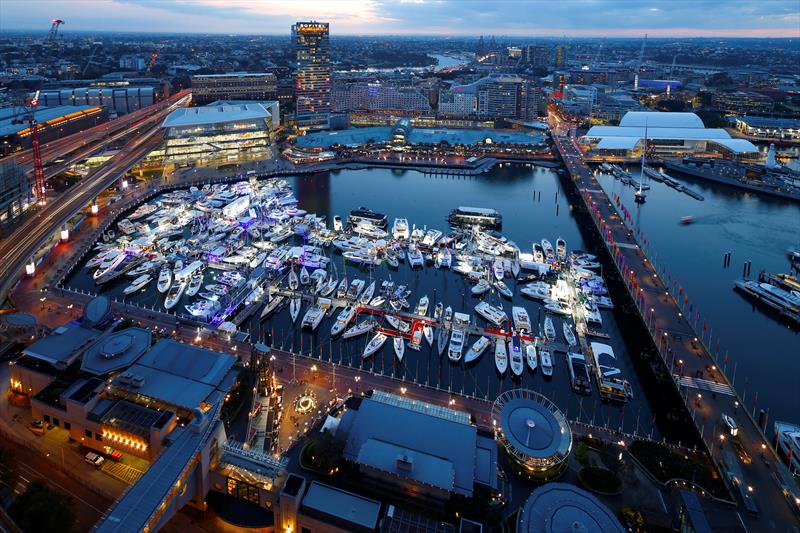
<point x="312" y="82"/>
<point x="377" y="97"/>
<point x="235" y="86"/>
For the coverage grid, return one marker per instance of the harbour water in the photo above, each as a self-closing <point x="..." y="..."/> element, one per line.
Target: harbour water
<point x="533" y="206"/>
<point x="761" y="351"/>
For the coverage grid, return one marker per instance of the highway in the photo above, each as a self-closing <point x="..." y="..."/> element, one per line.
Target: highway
<point x="706" y="390"/>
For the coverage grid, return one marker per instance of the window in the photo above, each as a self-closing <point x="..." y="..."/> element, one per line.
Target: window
<point x="67" y="425"/>
<point x="98" y="436"/>
<point x="46" y="418"/>
<point x="305" y="530"/>
<point x="56" y="422"/>
<point x="88" y="433"/>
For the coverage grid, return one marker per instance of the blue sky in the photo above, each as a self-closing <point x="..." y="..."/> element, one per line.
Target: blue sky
<point x="674" y="18"/>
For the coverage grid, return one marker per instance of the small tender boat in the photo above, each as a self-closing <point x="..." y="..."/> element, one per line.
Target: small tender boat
<point x="515" y="350"/>
<point x="500" y="356"/>
<point x="456" y="345"/>
<point x="503" y="289"/>
<point x="360" y="328"/>
<point x="569" y="334"/>
<point x="477" y="350"/>
<point x="481" y="287"/>
<point x="374" y="345"/>
<point x="530" y="356"/>
<point x="398" y="324"/>
<point x="137" y="284"/>
<point x="549" y="329"/>
<point x="686" y="220"/>
<point x="294" y="308"/>
<point x="399" y="347"/>
<point x="547" y="363"/>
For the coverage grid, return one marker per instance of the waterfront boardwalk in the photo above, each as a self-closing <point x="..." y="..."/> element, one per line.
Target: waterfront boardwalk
<point x="701" y="380"/>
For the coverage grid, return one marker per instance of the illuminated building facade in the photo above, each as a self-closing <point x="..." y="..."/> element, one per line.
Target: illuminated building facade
<point x="312" y="81"/>
<point x="234" y="86"/>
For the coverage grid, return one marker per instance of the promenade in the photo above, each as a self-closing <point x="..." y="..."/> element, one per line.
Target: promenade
<point x="701" y="380"/>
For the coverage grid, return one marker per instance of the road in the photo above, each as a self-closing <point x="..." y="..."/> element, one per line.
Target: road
<point x="707" y="391"/>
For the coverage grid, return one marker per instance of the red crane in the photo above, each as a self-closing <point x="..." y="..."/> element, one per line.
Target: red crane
<point x="54" y="29"/>
<point x="38" y="170"/>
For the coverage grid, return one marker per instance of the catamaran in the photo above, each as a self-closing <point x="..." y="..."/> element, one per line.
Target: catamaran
<point x="313" y="317"/>
<point x="493" y="314"/>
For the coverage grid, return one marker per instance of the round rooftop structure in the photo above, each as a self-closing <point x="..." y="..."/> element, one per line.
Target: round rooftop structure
<point x="116" y="345"/>
<point x="565" y="508"/>
<point x="533" y="431"/>
<point x="97" y="310"/>
<point x="18" y="324"/>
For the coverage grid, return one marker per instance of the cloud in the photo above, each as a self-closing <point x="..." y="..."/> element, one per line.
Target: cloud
<point x="678" y="18"/>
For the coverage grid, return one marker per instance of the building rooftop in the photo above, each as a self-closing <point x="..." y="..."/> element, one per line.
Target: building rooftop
<point x="216" y="114"/>
<point x="562" y="507"/>
<point x="658" y="119"/>
<point x="331" y="503"/>
<point x="384" y="428"/>
<point x="382" y="134"/>
<point x="12" y="120"/>
<point x="116" y="351"/>
<point x="179" y="374"/>
<point x="770" y="122"/>
<point x="63" y="346"/>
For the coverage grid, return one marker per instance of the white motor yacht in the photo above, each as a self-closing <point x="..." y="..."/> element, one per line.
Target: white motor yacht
<point x="547" y="363"/>
<point x="530" y="356"/>
<point x="400" y="229"/>
<point x="503" y="289"/>
<point x="477" y="350"/>
<point x="195" y="282"/>
<point x="561" y="249"/>
<point x="175" y="293"/>
<point x="481" y="287"/>
<point x="517" y="362"/>
<point x="137" y="284"/>
<point x="456" y="345"/>
<point x="522" y="321"/>
<point x="500" y="356"/>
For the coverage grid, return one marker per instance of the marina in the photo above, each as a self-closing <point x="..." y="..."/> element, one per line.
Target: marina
<point x="366" y="347"/>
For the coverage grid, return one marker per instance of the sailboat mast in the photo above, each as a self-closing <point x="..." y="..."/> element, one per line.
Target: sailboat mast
<point x="644" y="151"/>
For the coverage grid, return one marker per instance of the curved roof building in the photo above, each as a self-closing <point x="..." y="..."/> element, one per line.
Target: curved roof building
<point x="533" y="431"/>
<point x="565" y="508"/>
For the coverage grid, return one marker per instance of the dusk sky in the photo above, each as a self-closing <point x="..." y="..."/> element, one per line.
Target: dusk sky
<point x="678" y="18"/>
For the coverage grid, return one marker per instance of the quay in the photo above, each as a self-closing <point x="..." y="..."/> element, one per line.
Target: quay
<point x="700" y="380"/>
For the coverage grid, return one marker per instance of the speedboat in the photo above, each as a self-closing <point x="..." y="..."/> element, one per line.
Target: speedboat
<point x="422" y="306"/>
<point x="500" y="356"/>
<point x="503" y="289"/>
<point x="547" y="363"/>
<point x="547" y="249"/>
<point x="456" y="345"/>
<point x="294" y="308"/>
<point x="481" y="287"/>
<point x="195" y="282"/>
<point x="346" y="315"/>
<point x="549" y="329"/>
<point x="477" y="350"/>
<point x="530" y="356"/>
<point x="538" y="253"/>
<point x="398" y="324"/>
<point x="522" y="321"/>
<point x="498" y="269"/>
<point x="536" y="291"/>
<point x="203" y="309"/>
<point x="515" y="350"/>
<point x="561" y="249"/>
<point x="399" y="347"/>
<point x="294" y="281"/>
<point x="377" y="301"/>
<point x="493" y="314"/>
<point x="137" y="284"/>
<point x="374" y="345"/>
<point x="569" y="334"/>
<point x="360" y="328"/>
<point x="272" y="304"/>
<point x="400" y="229"/>
<point x="366" y="296"/>
<point x="174" y="294"/>
<point x="304" y="276"/>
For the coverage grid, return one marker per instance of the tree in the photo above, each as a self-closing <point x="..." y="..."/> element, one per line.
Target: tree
<point x="8" y="467"/>
<point x="41" y="509"/>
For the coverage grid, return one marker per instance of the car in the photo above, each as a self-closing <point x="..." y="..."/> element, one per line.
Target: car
<point x="743" y="455"/>
<point x="730" y="423"/>
<point x="112" y="453"/>
<point x="37" y="427"/>
<point x="94" y="459"/>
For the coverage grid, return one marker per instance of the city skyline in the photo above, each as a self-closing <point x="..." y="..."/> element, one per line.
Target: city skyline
<point x="580" y="18"/>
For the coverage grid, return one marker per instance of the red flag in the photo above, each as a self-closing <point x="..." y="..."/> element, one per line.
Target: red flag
<point x="705" y="326"/>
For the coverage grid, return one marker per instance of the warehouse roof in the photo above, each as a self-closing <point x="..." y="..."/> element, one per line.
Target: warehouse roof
<point x="63" y="345"/>
<point x="345" y="508"/>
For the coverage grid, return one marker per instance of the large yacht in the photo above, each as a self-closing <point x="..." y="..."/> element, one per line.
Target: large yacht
<point x="400" y="229"/>
<point x="788" y="437"/>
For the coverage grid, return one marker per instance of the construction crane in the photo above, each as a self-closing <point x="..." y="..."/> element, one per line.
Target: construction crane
<point x="54" y="29"/>
<point x="639" y="64"/>
<point x="671" y="70"/>
<point x="38" y="170"/>
<point x="91" y="57"/>
<point x="597" y="54"/>
<point x="153" y="59"/>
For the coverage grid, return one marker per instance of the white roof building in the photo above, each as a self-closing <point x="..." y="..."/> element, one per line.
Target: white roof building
<point x="667" y="132"/>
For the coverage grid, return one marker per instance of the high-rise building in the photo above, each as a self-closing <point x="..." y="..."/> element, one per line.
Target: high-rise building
<point x="234" y="86"/>
<point x="376" y="96"/>
<point x="312" y="82"/>
<point x="537" y="56"/>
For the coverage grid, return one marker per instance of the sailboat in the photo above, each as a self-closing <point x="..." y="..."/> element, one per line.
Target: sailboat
<point x="639" y="197"/>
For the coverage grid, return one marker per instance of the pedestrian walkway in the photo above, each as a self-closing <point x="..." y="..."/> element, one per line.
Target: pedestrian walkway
<point x="703" y="384"/>
<point x="126" y="474"/>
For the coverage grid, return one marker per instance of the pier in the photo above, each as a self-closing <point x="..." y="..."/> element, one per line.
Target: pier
<point x="701" y="381"/>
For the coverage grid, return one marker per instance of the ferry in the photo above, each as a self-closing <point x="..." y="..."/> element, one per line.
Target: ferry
<point x="547" y="364"/>
<point x="399" y="348"/>
<point x="500" y="356"/>
<point x="522" y="321"/>
<point x="346" y="315"/>
<point x="492" y="314"/>
<point x="477" y="350"/>
<point x="475" y="216"/>
<point x="400" y="229"/>
<point x="374" y="345"/>
<point x="530" y="356"/>
<point x="137" y="284"/>
<point x="515" y="350"/>
<point x="579" y="373"/>
<point x="456" y="345"/>
<point x="362" y="327"/>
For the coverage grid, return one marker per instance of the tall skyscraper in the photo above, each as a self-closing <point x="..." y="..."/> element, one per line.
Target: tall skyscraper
<point x="312" y="82"/>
